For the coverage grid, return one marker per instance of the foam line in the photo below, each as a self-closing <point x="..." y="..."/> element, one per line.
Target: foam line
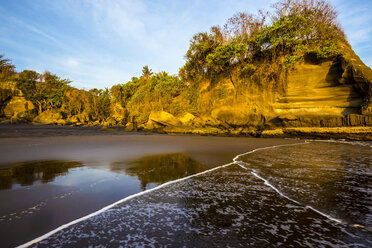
<point x="36" y="240"/>
<point x="266" y="182"/>
<point x="235" y="161"/>
<point x="354" y="143"/>
<point x="114" y="204"/>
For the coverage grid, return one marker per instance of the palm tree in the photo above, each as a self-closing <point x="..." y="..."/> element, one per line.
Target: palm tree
<point x="146" y="72"/>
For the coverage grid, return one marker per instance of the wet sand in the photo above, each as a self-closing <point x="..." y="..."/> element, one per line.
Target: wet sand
<point x="98" y="151"/>
<point x="27" y="142"/>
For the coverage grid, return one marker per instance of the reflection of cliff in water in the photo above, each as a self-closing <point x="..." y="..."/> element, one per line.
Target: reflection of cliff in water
<point x="160" y="168"/>
<point x="27" y="173"/>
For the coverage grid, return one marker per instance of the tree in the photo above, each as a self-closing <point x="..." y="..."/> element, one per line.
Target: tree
<point x="103" y="104"/>
<point x="146" y="72"/>
<point x="225" y="58"/>
<point x="6" y="68"/>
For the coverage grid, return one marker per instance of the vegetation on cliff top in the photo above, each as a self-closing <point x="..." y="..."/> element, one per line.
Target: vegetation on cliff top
<point x="244" y="63"/>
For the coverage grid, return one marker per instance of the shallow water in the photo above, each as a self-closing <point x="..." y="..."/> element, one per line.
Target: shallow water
<point x="334" y="178"/>
<point x="306" y="195"/>
<point x="38" y="196"/>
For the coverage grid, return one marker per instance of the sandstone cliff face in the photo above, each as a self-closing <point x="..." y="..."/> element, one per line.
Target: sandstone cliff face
<point x="18" y="107"/>
<point x="310" y="92"/>
<point x="331" y="94"/>
<point x="13" y="105"/>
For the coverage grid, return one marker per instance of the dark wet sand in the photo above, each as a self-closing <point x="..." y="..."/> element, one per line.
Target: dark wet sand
<point x="95" y="149"/>
<point x="26" y="142"/>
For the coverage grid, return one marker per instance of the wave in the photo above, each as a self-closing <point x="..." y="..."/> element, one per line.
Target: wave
<point x="36" y="240"/>
<point x="266" y="182"/>
<point x="235" y="161"/>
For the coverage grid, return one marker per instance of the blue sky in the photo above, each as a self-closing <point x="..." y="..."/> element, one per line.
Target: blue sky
<point x="99" y="43"/>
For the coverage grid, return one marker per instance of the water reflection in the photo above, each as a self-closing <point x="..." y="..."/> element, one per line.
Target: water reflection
<point x="27" y="173"/>
<point x="29" y="212"/>
<point x="159" y="169"/>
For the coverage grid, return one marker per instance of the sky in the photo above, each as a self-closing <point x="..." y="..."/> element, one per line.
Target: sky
<point x="99" y="43"/>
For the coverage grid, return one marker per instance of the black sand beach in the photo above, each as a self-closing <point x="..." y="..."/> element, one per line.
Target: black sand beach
<point x="35" y="208"/>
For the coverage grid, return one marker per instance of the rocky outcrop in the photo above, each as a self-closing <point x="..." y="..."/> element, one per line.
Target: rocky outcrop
<point x="187" y="119"/>
<point x="159" y="119"/>
<point x="118" y="114"/>
<point x="18" y="109"/>
<point x="48" y="117"/>
<point x="329" y="94"/>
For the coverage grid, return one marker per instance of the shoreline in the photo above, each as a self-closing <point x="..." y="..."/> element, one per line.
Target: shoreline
<point x="97" y="148"/>
<point x="56" y="230"/>
<point x="234" y="161"/>
<point x="99" y="151"/>
<point x="338" y="133"/>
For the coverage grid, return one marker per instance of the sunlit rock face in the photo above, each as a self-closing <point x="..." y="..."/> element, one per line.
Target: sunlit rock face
<point x="332" y="93"/>
<point x="18" y="107"/>
<point x="13" y="105"/>
<point x="311" y="91"/>
<point x="162" y="118"/>
<point x="48" y="117"/>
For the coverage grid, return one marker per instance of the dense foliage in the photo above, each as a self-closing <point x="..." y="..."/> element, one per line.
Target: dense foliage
<point x="297" y="29"/>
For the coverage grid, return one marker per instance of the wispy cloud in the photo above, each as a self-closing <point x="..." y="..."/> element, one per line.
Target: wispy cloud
<point x="119" y="17"/>
<point x="97" y="43"/>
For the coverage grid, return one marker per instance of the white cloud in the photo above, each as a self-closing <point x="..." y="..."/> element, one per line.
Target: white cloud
<point x="72" y="62"/>
<point x="117" y="17"/>
<point x="97" y="43"/>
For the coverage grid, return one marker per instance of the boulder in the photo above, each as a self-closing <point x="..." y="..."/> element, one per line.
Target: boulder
<point x="17" y="107"/>
<point x="238" y="116"/>
<point x="163" y="118"/>
<point x="61" y="122"/>
<point x="109" y="122"/>
<point x="187" y="119"/>
<point x="130" y="127"/>
<point x="48" y="117"/>
<point x="79" y="118"/>
<point x="72" y="119"/>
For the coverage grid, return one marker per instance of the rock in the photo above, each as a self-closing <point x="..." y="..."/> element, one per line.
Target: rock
<point x="273" y="132"/>
<point x="355" y="120"/>
<point x="238" y="117"/>
<point x="95" y="123"/>
<point x="72" y="119"/>
<point x="83" y="117"/>
<point x="109" y="122"/>
<point x="48" y="117"/>
<point x="187" y="119"/>
<point x="130" y="127"/>
<point x="18" y="107"/>
<point x="79" y="118"/>
<point x="117" y="113"/>
<point x="61" y="122"/>
<point x="163" y="118"/>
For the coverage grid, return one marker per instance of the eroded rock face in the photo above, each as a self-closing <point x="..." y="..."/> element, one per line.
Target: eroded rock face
<point x="18" y="108"/>
<point x="330" y="94"/>
<point x="312" y="90"/>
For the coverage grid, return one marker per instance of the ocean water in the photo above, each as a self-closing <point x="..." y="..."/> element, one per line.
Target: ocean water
<point x="313" y="194"/>
<point x="39" y="196"/>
